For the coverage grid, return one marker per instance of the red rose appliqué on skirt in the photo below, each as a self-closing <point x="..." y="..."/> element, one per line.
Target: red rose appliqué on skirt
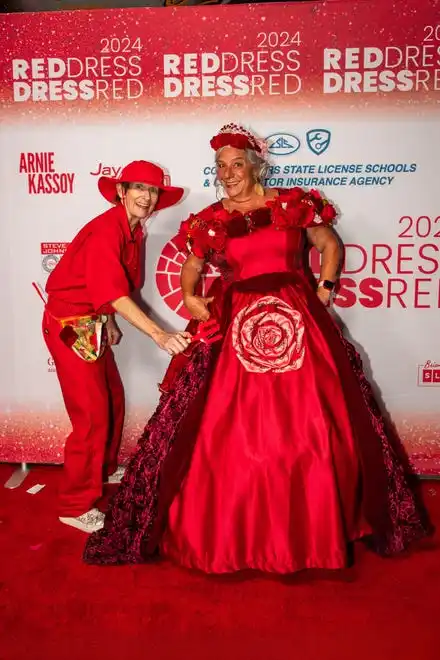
<point x="268" y="335"/>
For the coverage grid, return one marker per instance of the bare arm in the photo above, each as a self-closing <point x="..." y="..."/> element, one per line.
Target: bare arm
<point x="190" y="275"/>
<point x="191" y="272"/>
<point x="329" y="245"/>
<point x="173" y="343"/>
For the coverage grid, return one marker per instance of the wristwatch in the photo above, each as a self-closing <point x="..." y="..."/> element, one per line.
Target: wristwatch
<point x="326" y="284"/>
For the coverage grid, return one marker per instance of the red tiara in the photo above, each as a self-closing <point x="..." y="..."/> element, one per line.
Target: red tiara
<point x="238" y="137"/>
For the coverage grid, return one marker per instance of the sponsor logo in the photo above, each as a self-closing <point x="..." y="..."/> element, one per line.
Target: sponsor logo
<point x="282" y="144"/>
<point x="51" y="253"/>
<point x="168" y="278"/>
<point x="51" y="365"/>
<point x="106" y="170"/>
<point x="429" y="374"/>
<point x="318" y="140"/>
<point x="42" y="176"/>
<point x="49" y="262"/>
<point x="115" y="172"/>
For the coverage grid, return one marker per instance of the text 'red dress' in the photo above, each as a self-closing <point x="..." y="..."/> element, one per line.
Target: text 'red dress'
<point x="267" y="451"/>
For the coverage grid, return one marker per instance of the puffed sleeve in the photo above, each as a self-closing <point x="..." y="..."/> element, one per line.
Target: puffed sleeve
<point x="201" y="236"/>
<point x="305" y="209"/>
<point x="324" y="213"/>
<point x="192" y="237"/>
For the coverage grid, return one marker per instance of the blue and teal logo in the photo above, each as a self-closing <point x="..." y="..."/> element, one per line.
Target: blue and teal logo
<point x="318" y="140"/>
<point x="282" y="144"/>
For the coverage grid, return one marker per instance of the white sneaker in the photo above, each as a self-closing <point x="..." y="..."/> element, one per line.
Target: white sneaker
<point x="116" y="477"/>
<point x="88" y="522"/>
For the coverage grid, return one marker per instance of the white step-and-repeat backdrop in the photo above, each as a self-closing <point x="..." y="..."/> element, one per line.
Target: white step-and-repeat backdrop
<point x="347" y="94"/>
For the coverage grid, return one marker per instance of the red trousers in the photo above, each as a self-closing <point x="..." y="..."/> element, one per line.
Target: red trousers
<point x="94" y="399"/>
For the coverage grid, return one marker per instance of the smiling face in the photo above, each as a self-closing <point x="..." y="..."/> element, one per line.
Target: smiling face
<point x="235" y="173"/>
<point x="139" y="200"/>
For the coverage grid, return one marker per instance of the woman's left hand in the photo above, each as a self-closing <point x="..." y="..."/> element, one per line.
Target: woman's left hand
<point x="324" y="296"/>
<point x="114" y="333"/>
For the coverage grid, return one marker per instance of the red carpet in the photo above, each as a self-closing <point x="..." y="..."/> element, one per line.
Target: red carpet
<point x="54" y="606"/>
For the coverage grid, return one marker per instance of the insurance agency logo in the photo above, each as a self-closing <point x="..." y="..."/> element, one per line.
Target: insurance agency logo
<point x="429" y="374"/>
<point x="168" y="270"/>
<point x="317" y="141"/>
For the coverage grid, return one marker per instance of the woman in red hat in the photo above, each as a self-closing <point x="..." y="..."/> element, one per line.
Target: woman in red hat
<point x="94" y="279"/>
<point x="267" y="450"/>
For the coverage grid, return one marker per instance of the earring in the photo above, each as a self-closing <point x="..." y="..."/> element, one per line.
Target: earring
<point x="259" y="190"/>
<point x="219" y="192"/>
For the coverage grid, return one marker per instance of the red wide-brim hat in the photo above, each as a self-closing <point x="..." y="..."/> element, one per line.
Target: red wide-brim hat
<point x="140" y="171"/>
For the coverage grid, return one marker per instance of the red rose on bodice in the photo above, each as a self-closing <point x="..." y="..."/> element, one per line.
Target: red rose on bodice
<point x="216" y="235"/>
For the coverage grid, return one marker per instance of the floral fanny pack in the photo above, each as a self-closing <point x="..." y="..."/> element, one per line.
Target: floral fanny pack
<point x="85" y="335"/>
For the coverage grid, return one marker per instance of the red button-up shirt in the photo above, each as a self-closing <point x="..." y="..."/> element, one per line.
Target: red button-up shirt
<point x="100" y="265"/>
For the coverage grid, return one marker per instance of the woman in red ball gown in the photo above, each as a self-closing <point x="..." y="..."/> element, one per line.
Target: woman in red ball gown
<point x="267" y="450"/>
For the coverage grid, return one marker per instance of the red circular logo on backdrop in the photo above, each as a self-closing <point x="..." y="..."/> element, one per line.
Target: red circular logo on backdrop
<point x="168" y="270"/>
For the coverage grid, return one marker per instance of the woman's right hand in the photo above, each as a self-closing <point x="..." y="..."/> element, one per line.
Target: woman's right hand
<point x="197" y="307"/>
